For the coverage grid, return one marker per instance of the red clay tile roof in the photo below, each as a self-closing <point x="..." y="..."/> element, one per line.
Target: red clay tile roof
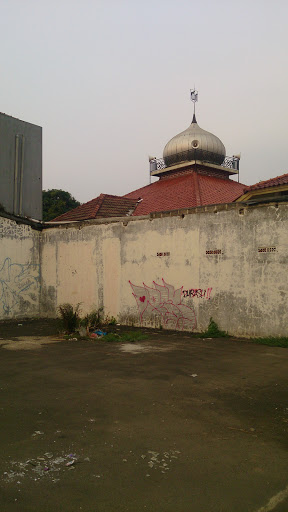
<point x="274" y="182"/>
<point x="104" y="205"/>
<point x="185" y="191"/>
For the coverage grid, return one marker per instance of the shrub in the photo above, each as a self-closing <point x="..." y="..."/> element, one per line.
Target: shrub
<point x="93" y="319"/>
<point x="213" y="331"/>
<point x="70" y="316"/>
<point x="109" y="320"/>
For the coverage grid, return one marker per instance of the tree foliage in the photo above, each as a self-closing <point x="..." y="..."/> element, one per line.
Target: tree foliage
<point x="56" y="202"/>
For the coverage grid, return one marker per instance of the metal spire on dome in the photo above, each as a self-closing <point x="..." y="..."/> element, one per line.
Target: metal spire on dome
<point x="194" y="98"/>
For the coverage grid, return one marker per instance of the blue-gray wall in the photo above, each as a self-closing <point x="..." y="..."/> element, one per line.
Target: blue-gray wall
<point x="20" y="167"/>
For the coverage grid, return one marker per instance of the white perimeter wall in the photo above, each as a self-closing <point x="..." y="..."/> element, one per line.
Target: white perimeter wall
<point x="227" y="262"/>
<point x="19" y="270"/>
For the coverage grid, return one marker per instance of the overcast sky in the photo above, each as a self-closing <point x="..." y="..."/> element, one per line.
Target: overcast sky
<point x="109" y="82"/>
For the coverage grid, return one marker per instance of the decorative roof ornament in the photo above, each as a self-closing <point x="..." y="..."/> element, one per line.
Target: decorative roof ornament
<point x="194" y="98"/>
<point x="194" y="144"/>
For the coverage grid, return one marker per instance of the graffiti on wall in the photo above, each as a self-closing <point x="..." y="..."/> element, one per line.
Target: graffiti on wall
<point x="165" y="301"/>
<point x="18" y="282"/>
<point x="198" y="293"/>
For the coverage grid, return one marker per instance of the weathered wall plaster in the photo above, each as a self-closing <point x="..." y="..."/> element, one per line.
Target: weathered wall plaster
<point x="175" y="269"/>
<point x="19" y="270"/>
<point x="229" y="262"/>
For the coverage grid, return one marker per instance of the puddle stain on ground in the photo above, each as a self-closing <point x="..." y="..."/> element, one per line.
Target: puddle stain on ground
<point x="28" y="342"/>
<point x="136" y="348"/>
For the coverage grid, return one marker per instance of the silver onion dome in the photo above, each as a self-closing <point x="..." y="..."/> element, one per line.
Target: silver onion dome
<point x="194" y="144"/>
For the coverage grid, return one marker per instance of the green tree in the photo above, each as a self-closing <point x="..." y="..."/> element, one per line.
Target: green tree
<point x="56" y="202"/>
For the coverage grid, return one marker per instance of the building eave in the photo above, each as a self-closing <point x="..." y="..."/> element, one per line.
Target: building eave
<point x="188" y="165"/>
<point x="261" y="191"/>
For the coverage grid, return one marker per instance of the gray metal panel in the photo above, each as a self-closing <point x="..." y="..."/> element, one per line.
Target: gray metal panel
<point x="20" y="167"/>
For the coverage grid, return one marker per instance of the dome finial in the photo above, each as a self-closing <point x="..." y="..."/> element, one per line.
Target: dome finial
<point x="193" y="144"/>
<point x="194" y="98"/>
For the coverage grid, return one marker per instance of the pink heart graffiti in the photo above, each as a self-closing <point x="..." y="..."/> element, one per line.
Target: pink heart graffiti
<point x="165" y="302"/>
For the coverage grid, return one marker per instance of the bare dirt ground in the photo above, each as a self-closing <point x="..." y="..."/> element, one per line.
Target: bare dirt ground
<point x="168" y="424"/>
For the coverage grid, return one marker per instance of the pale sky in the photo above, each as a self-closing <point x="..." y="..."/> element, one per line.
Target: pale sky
<point x="109" y="81"/>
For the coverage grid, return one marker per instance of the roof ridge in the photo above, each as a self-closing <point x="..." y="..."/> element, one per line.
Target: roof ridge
<point x="276" y="181"/>
<point x="59" y="217"/>
<point x="197" y="189"/>
<point x="262" y="182"/>
<point x="108" y="200"/>
<point x="101" y="198"/>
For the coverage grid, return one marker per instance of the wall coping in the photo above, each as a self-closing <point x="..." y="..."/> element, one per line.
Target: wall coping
<point x="35" y="224"/>
<point x="181" y="212"/>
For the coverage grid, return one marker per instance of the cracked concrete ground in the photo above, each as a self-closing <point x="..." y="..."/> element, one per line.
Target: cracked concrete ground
<point x="168" y="424"/>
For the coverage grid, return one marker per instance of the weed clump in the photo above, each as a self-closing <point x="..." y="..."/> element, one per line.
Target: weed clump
<point x="110" y="320"/>
<point x="213" y="331"/>
<point x="70" y="317"/>
<point x="272" y="341"/>
<point x="97" y="320"/>
<point x="72" y="322"/>
<point x="92" y="320"/>
<point x="130" y="337"/>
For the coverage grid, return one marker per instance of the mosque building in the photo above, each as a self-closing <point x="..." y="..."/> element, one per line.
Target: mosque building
<point x="194" y="171"/>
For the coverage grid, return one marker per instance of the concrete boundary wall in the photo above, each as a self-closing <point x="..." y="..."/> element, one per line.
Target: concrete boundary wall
<point x="20" y="276"/>
<point x="171" y="269"/>
<point x="175" y="269"/>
